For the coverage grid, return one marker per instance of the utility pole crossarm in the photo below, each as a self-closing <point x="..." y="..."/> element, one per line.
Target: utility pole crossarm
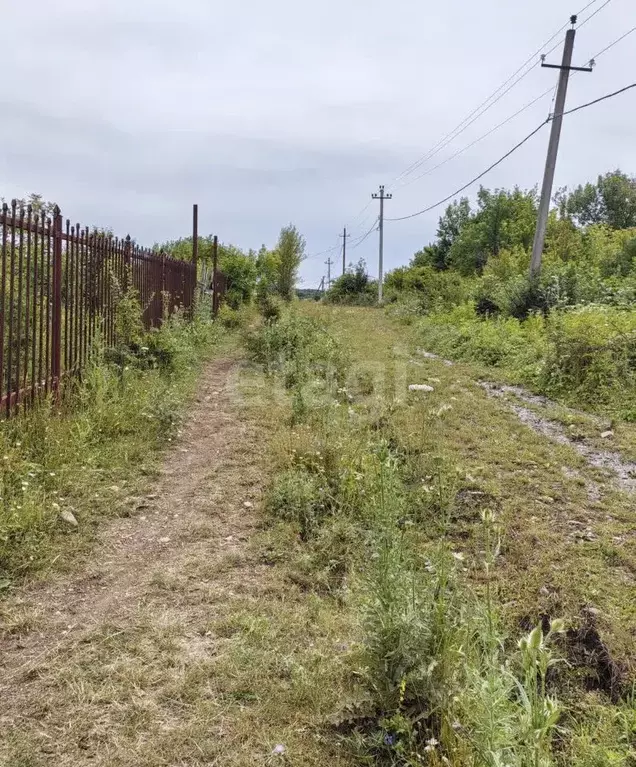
<point x="553" y="147"/>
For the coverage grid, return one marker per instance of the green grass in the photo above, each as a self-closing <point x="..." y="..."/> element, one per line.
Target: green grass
<point x="95" y="452"/>
<point x="386" y="610"/>
<point x="406" y="495"/>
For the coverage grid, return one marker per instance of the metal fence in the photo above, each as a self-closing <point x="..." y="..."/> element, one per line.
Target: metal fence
<point x="60" y="286"/>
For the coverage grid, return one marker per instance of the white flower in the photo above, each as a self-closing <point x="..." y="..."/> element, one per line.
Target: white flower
<point x="430" y="744"/>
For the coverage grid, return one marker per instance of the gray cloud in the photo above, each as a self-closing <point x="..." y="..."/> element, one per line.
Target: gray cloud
<point x="126" y="113"/>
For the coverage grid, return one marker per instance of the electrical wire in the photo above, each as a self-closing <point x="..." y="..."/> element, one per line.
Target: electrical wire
<point x="364" y="236"/>
<point x="592" y="15"/>
<point x="482" y="137"/>
<point x="485" y="105"/>
<point x="514" y="149"/>
<point x="472" y="181"/>
<point x="322" y="252"/>
<point x="597" y="101"/>
<point x="611" y="45"/>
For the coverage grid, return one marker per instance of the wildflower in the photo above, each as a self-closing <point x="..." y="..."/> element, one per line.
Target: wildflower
<point x="431" y="744"/>
<point x="389" y="740"/>
<point x="278" y="750"/>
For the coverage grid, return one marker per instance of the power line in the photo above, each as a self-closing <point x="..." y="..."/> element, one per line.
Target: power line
<point x="472" y="181"/>
<point x="485" y="105"/>
<point x="360" y="240"/>
<point x="611" y="45"/>
<point x="322" y="252"/>
<point x="462" y="126"/>
<point x="592" y="15"/>
<point x="596" y="101"/>
<point x="511" y="151"/>
<point x="482" y="137"/>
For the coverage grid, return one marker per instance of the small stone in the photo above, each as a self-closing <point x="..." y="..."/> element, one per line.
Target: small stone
<point x="420" y="387"/>
<point x="68" y="517"/>
<point x="278" y="750"/>
<point x="248" y="505"/>
<point x="607" y="434"/>
<point x="593" y="611"/>
<point x="164" y="540"/>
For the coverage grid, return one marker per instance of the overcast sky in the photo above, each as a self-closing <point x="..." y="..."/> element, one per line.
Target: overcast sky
<point x="126" y="112"/>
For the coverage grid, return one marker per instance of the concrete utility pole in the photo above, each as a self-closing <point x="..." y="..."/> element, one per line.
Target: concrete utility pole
<point x="553" y="147"/>
<point x="329" y="262"/>
<point x="382" y="197"/>
<point x="344" y="236"/>
<point x="321" y="287"/>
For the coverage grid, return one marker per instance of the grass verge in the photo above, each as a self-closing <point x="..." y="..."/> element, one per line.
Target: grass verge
<point x="482" y="597"/>
<point x="66" y="467"/>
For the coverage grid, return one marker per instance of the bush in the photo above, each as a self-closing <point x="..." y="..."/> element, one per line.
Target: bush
<point x="296" y="496"/>
<point x="353" y="288"/>
<point x="431" y="289"/>
<point x="591" y="355"/>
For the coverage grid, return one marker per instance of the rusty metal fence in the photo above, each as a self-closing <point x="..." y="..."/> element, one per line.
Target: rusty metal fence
<point x="60" y="285"/>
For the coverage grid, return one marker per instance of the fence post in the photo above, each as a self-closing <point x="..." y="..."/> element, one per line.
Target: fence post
<point x="195" y="236"/>
<point x="127" y="248"/>
<point x="56" y="314"/>
<point x="215" y="286"/>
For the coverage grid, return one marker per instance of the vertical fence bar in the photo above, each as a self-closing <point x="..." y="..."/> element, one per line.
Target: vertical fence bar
<point x="70" y="298"/>
<point x="42" y="284"/>
<point x="27" y="303"/>
<point x="215" y="276"/>
<point x="3" y="278"/>
<point x="56" y="317"/>
<point x="18" y="338"/>
<point x="67" y="260"/>
<point x="90" y="275"/>
<point x="34" y="332"/>
<point x="76" y="294"/>
<point x="84" y="253"/>
<point x="11" y="314"/>
<point x="47" y="358"/>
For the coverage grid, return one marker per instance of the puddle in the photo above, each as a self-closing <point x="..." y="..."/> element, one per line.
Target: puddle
<point x="623" y="471"/>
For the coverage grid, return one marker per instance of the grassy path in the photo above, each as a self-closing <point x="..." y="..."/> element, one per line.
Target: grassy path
<point x="205" y="633"/>
<point x="111" y="665"/>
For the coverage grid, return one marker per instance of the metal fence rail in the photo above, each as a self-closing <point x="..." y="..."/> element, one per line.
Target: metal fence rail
<point x="60" y="285"/>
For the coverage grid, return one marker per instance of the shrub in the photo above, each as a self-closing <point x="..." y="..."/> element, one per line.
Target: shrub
<point x="354" y="287"/>
<point x="297" y="496"/>
<point x="591" y="354"/>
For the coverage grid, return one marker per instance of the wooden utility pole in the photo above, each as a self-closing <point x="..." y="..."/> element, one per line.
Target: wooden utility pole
<point x="382" y="197"/>
<point x="329" y="262"/>
<point x="553" y="147"/>
<point x="344" y="236"/>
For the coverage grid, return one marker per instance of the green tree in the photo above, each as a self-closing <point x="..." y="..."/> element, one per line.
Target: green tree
<point x="290" y="251"/>
<point x="504" y="219"/>
<point x="611" y="201"/>
<point x="239" y="268"/>
<point x="353" y="287"/>
<point x="455" y="217"/>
